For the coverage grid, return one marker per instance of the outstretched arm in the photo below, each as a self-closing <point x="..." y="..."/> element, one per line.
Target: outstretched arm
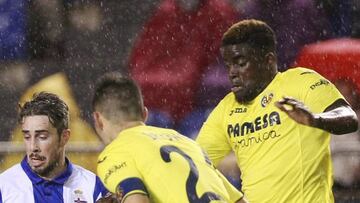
<point x="338" y="118"/>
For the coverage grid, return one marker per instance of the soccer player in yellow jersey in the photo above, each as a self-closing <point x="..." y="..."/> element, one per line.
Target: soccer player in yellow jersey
<point x="149" y="164"/>
<point x="277" y="124"/>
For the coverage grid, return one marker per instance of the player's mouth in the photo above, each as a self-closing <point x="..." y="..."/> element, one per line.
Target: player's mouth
<point x="237" y="84"/>
<point x="36" y="160"/>
<point x="236" y="88"/>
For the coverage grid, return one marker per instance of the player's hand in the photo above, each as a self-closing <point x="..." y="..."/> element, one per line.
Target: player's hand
<point x="296" y="110"/>
<point x="108" y="198"/>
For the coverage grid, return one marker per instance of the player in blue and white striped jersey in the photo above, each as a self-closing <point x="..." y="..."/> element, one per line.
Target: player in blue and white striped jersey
<point x="45" y="174"/>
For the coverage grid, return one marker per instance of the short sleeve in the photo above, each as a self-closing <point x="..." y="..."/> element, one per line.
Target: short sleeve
<point x="119" y="173"/>
<point x="319" y="93"/>
<point x="212" y="136"/>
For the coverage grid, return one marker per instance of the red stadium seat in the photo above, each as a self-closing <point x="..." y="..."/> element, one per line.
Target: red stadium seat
<point x="334" y="59"/>
<point x="173" y="51"/>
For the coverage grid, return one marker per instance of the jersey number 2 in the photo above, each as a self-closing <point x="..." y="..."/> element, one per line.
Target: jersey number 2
<point x="192" y="178"/>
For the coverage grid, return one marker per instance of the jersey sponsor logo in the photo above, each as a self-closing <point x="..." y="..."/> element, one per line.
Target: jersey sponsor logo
<point x="306" y="72"/>
<point x="79" y="198"/>
<point x="266" y="99"/>
<point x="256" y="139"/>
<point x="319" y="83"/>
<point x="260" y="122"/>
<point x="112" y="170"/>
<point x="79" y="201"/>
<point x="238" y="110"/>
<point x="102" y="160"/>
<point x="78" y="192"/>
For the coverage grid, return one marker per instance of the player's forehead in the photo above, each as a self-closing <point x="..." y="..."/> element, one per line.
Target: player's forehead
<point x="36" y="123"/>
<point x="236" y="51"/>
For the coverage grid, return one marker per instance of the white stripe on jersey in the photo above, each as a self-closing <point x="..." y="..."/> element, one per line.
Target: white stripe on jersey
<point x="17" y="187"/>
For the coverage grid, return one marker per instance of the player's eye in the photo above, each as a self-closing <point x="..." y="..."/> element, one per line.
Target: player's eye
<point x="242" y="64"/>
<point x="43" y="137"/>
<point x="26" y="136"/>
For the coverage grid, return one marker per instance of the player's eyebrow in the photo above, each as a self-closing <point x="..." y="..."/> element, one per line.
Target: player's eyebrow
<point x="36" y="131"/>
<point x="41" y="131"/>
<point x="237" y="54"/>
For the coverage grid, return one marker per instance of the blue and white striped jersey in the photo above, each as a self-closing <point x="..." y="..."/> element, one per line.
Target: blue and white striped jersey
<point x="19" y="184"/>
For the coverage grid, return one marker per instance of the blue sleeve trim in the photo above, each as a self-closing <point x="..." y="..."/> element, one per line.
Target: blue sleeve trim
<point x="0" y="197"/>
<point x="131" y="184"/>
<point x="99" y="189"/>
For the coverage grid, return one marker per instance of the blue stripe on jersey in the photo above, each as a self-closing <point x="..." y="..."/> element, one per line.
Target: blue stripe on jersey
<point x="35" y="178"/>
<point x="131" y="184"/>
<point x="44" y="190"/>
<point x="48" y="192"/>
<point x="99" y="188"/>
<point x="0" y="197"/>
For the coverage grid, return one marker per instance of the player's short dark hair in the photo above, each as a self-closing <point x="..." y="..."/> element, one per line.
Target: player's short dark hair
<point x="116" y="95"/>
<point x="256" y="33"/>
<point x="47" y="104"/>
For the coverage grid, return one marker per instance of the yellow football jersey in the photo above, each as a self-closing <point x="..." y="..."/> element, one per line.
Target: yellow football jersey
<point x="280" y="160"/>
<point x="164" y="165"/>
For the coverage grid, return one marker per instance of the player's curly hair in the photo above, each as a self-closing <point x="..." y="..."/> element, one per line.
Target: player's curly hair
<point x="47" y="104"/>
<point x="256" y="33"/>
<point x="118" y="96"/>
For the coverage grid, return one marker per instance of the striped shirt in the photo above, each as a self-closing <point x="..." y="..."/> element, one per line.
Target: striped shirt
<point x="20" y="184"/>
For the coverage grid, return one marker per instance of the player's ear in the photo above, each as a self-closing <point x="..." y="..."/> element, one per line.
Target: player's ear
<point x="145" y="113"/>
<point x="270" y="58"/>
<point x="65" y="136"/>
<point x="99" y="124"/>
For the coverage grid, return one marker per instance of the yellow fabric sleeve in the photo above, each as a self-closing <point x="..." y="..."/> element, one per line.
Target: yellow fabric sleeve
<point x="212" y="138"/>
<point x="319" y="93"/>
<point x="117" y="168"/>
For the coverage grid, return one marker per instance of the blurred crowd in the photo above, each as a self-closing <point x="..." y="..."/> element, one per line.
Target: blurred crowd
<point x="171" y="47"/>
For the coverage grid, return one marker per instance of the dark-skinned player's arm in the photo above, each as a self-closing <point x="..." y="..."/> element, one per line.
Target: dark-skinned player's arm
<point x="338" y="118"/>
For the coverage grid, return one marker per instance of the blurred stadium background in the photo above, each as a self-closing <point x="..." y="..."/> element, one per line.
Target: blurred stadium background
<point x="171" y="48"/>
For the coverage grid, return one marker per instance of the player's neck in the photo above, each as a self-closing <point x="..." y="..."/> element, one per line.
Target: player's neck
<point x="59" y="168"/>
<point x="130" y="124"/>
<point x="125" y="125"/>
